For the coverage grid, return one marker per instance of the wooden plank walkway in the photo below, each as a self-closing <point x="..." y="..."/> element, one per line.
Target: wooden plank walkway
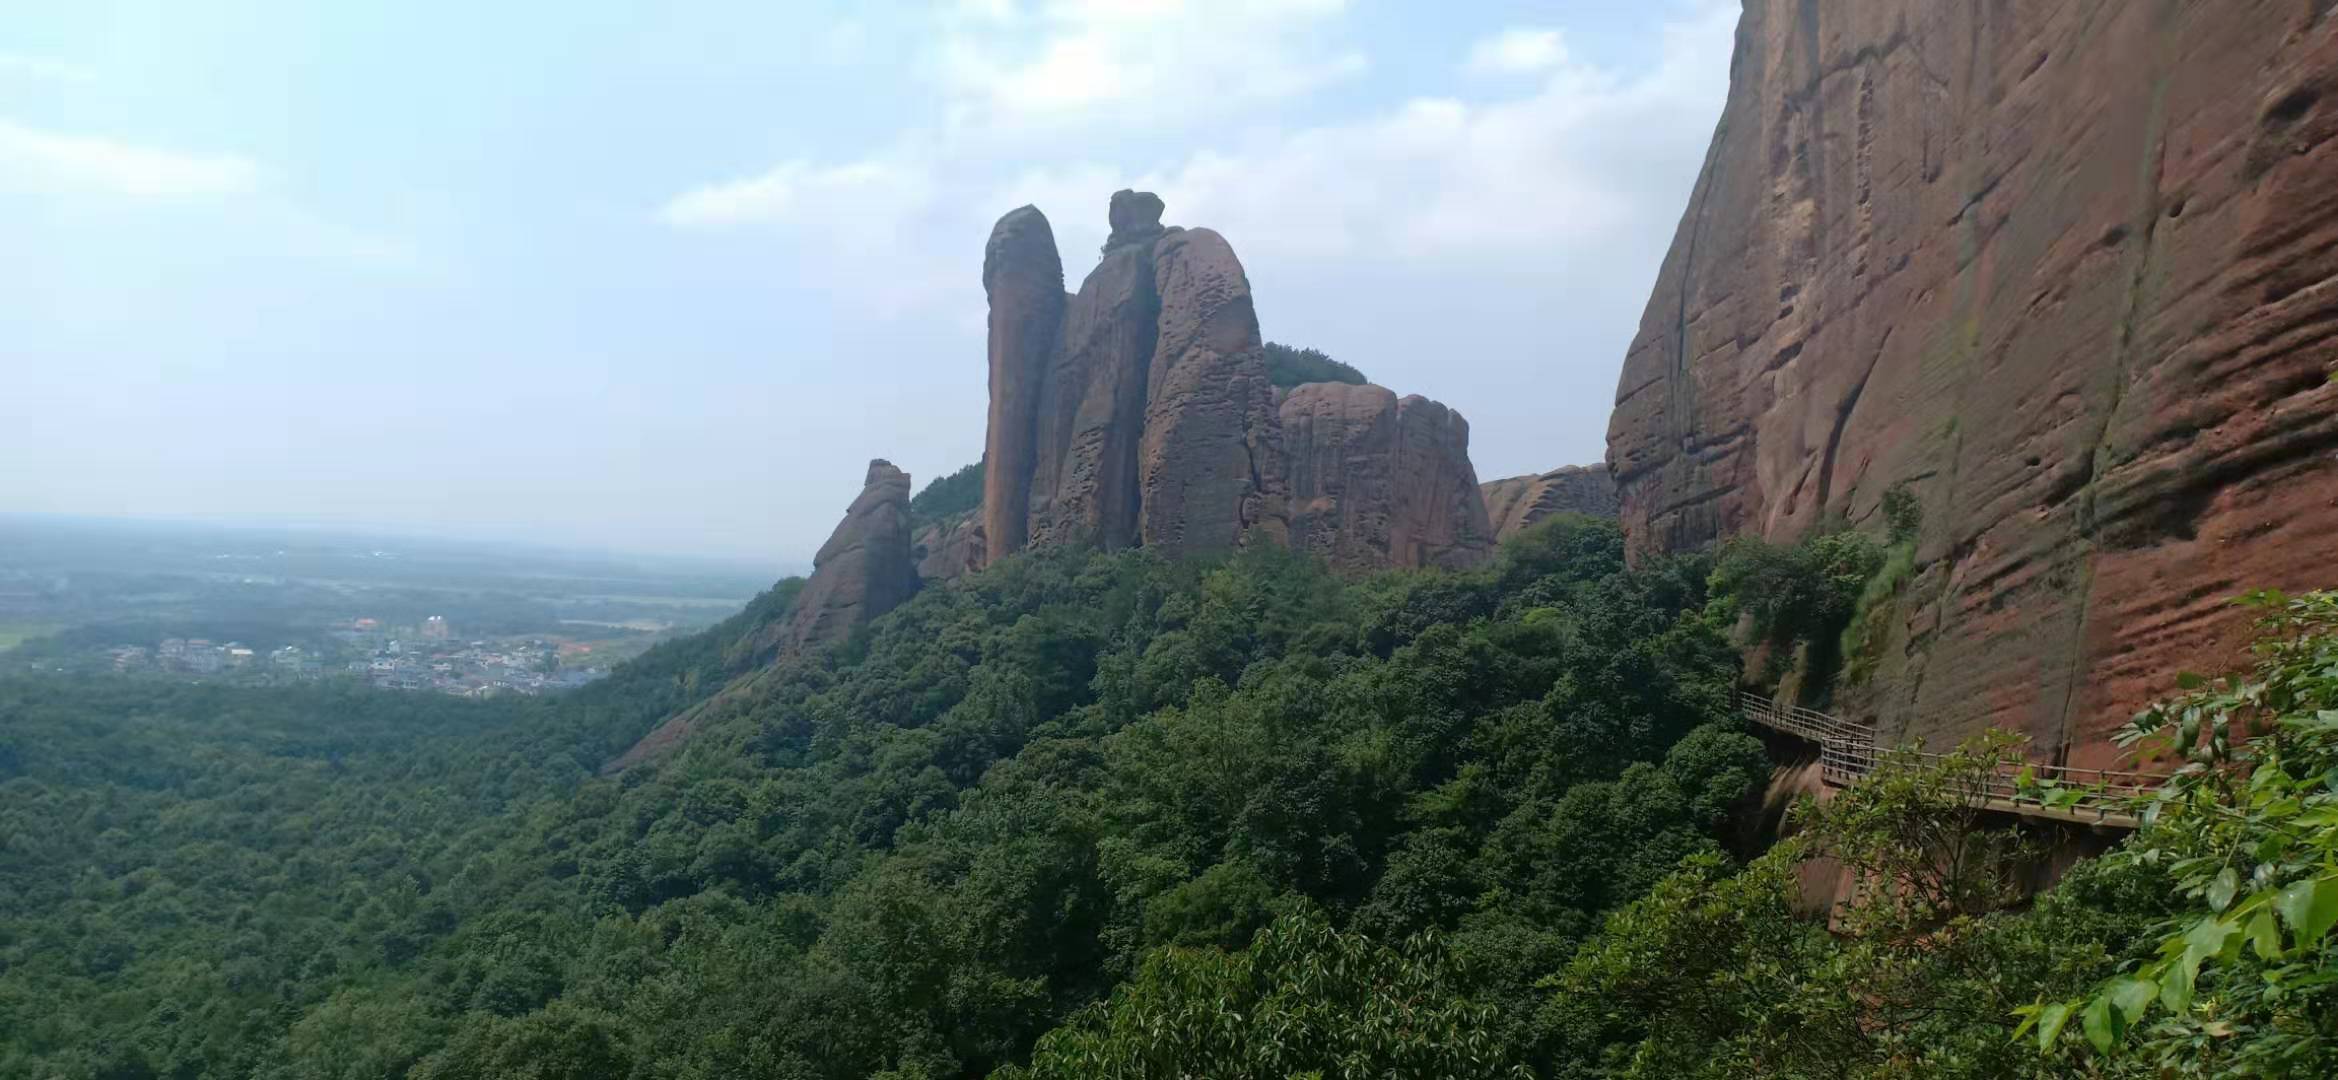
<point x="1847" y="751"/>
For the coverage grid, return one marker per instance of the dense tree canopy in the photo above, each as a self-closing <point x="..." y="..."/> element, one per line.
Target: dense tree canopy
<point x="1414" y="824"/>
<point x="948" y="496"/>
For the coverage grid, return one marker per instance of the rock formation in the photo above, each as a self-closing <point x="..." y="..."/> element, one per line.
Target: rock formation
<point x="1024" y="279"/>
<point x="1515" y="502"/>
<point x="865" y="568"/>
<point x="949" y="549"/>
<point x="1092" y="408"/>
<point x="1209" y="463"/>
<point x="1150" y="420"/>
<point x="863" y="571"/>
<point x="1139" y="411"/>
<point x="1376" y="481"/>
<point x="2066" y="272"/>
<point x="1440" y="511"/>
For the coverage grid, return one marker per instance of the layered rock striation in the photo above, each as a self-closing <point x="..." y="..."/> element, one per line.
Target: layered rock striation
<point x="1209" y="462"/>
<point x="1515" y="502"/>
<point x="2067" y="273"/>
<point x="1381" y="481"/>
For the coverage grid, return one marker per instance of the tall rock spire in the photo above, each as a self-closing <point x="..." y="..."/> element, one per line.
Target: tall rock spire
<point x="1209" y="467"/>
<point x="1092" y="410"/>
<point x="1023" y="276"/>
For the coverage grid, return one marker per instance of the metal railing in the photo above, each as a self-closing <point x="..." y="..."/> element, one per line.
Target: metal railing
<point x="1848" y="751"/>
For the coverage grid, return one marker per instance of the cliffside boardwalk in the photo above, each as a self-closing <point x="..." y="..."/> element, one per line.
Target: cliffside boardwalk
<point x="1847" y="752"/>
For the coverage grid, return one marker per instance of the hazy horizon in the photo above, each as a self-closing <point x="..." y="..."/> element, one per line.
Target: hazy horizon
<point x="662" y="281"/>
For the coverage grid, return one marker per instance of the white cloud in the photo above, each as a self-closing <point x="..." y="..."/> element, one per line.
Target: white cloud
<point x="868" y="197"/>
<point x="1153" y="61"/>
<point x="60" y="162"/>
<point x="1516" y="50"/>
<point x="1521" y="223"/>
<point x="43" y="69"/>
<point x="1567" y="164"/>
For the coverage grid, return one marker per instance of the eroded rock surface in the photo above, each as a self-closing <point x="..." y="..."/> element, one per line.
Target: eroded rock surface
<point x="1377" y="481"/>
<point x="1153" y="420"/>
<point x="1023" y="276"/>
<point x="1092" y="408"/>
<point x="1135" y="217"/>
<point x="864" y="570"/>
<point x="2069" y="273"/>
<point x="1209" y="463"/>
<point x="1515" y="502"/>
<point x="949" y="549"/>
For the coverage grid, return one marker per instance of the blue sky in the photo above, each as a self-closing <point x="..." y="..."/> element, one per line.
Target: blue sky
<point x="664" y="276"/>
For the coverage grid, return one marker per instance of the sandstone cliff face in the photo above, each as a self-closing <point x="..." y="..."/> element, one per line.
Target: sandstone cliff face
<point x="1024" y="279"/>
<point x="2069" y="272"/>
<point x="949" y="549"/>
<point x="1341" y="439"/>
<point x="1376" y="481"/>
<point x="865" y="568"/>
<point x="1209" y="463"/>
<point x="1441" y="512"/>
<point x="1092" y="406"/>
<point x="1515" y="502"/>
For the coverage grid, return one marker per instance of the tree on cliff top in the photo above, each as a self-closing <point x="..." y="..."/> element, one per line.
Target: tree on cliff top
<point x="1288" y="367"/>
<point x="945" y="496"/>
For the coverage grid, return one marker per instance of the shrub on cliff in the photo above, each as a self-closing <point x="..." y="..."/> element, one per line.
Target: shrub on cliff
<point x="1800" y="595"/>
<point x="1288" y="367"/>
<point x="2244" y="981"/>
<point x="944" y="496"/>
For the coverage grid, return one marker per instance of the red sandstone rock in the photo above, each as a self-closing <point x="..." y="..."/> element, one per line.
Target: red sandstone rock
<point x="1209" y="464"/>
<point x="1023" y="277"/>
<point x="1515" y="502"/>
<point x="1152" y="421"/>
<point x="1135" y="217"/>
<point x="864" y="570"/>
<point x="949" y="549"/>
<point x="1440" y="517"/>
<point x="2067" y="271"/>
<point x="1378" y="482"/>
<point x="1092" y="409"/>
<point x="1341" y="440"/>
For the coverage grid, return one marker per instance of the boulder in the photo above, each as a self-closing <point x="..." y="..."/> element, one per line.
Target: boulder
<point x="1515" y="502"/>
<point x="1209" y="464"/>
<point x="2062" y="272"/>
<point x="1023" y="277"/>
<point x="1135" y="217"/>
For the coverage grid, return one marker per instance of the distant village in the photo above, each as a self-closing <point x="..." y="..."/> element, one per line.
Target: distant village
<point x="427" y="656"/>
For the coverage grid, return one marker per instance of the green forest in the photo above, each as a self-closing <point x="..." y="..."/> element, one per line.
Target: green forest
<point x="1097" y="814"/>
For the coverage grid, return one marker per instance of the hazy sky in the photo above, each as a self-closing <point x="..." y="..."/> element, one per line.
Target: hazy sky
<point x="663" y="276"/>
